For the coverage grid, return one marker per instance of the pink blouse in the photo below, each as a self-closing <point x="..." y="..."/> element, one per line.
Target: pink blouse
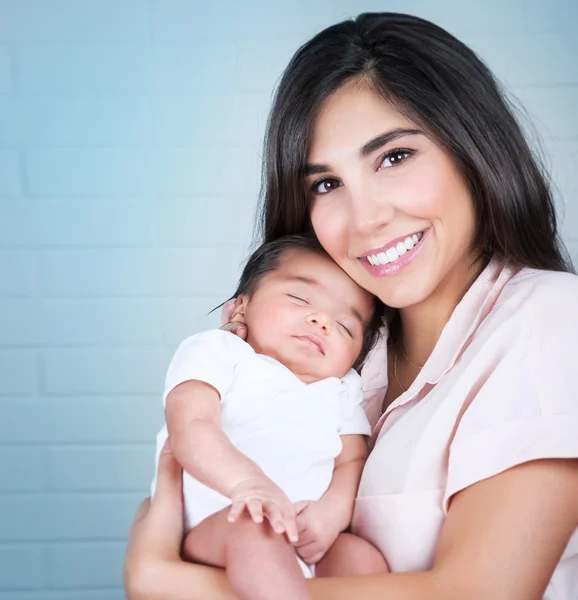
<point x="499" y="389"/>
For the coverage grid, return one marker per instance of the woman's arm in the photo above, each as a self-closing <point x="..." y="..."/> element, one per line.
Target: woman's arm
<point x="153" y="568"/>
<point x="501" y="540"/>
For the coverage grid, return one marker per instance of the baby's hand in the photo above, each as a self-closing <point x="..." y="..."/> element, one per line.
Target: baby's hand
<point x="263" y="498"/>
<point x="317" y="530"/>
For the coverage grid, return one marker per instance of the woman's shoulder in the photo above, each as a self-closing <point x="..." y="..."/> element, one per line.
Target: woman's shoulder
<point x="541" y="324"/>
<point x="540" y="278"/>
<point x="534" y="317"/>
<point x="550" y="295"/>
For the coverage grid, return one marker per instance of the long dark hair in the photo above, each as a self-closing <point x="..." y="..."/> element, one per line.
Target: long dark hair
<point x="440" y="84"/>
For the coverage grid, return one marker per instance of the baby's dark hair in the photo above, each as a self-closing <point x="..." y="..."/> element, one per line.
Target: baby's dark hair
<point x="266" y="258"/>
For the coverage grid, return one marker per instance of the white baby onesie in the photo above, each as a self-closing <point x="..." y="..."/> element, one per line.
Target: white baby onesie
<point x="289" y="428"/>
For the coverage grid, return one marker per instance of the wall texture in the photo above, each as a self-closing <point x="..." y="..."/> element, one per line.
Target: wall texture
<point x="130" y="135"/>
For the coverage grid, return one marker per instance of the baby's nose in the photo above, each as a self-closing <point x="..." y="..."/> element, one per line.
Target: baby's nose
<point x="320" y="319"/>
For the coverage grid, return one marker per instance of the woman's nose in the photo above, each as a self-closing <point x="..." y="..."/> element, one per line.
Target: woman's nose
<point x="370" y="211"/>
<point x="321" y="320"/>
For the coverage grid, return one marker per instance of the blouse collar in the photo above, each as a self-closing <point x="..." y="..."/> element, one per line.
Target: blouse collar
<point x="470" y="312"/>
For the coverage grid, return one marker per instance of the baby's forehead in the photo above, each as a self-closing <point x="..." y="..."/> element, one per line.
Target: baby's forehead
<point x="319" y="271"/>
<point x="311" y="267"/>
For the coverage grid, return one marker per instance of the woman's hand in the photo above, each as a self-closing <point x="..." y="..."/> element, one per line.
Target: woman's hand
<point x="157" y="531"/>
<point x="235" y="325"/>
<point x="154" y="569"/>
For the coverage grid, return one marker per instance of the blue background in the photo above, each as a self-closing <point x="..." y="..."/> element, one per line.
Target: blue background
<point x="130" y="140"/>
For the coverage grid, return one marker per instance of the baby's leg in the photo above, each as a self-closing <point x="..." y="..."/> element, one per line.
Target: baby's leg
<point x="351" y="555"/>
<point x="260" y="563"/>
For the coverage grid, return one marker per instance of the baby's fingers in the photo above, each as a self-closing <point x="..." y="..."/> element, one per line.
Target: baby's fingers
<point x="291" y="528"/>
<point x="236" y="511"/>
<point x="283" y="521"/>
<point x="274" y="516"/>
<point x="255" y="508"/>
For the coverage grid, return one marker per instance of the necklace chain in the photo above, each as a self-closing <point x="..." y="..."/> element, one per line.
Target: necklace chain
<point x="408" y="358"/>
<point x="399" y="346"/>
<point x="395" y="369"/>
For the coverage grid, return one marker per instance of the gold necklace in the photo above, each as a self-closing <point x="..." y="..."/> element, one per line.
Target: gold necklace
<point x="397" y="347"/>
<point x="395" y="369"/>
<point x="408" y="358"/>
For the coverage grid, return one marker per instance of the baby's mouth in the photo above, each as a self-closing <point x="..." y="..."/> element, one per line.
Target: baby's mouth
<point x="312" y="340"/>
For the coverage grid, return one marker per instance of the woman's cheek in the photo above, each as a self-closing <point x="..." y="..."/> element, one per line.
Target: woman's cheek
<point x="330" y="226"/>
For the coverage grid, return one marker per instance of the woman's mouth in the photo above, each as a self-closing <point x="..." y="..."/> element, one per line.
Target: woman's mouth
<point x="395" y="255"/>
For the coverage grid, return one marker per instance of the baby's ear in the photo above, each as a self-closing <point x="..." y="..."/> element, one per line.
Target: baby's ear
<point x="240" y="304"/>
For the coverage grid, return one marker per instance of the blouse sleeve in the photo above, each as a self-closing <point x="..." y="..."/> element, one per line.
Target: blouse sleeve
<point x="527" y="406"/>
<point x="354" y="418"/>
<point x="209" y="356"/>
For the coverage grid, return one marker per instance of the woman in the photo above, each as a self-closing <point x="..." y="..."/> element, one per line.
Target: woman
<point x="390" y="141"/>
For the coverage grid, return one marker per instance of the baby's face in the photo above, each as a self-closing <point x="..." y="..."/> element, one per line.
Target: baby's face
<point x="309" y="315"/>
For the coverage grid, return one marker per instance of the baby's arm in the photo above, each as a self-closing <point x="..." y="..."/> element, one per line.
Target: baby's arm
<point x="320" y="522"/>
<point x="346" y="475"/>
<point x="193" y="415"/>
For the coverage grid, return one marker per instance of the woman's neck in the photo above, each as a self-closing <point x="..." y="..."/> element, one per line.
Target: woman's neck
<point x="423" y="323"/>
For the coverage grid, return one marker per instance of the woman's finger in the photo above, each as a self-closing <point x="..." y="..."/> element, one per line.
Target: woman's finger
<point x="239" y="329"/>
<point x="227" y="311"/>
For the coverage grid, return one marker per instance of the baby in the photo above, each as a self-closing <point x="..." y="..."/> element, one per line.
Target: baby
<point x="270" y="431"/>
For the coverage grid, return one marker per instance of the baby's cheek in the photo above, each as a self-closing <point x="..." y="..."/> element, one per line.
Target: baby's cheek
<point x="345" y="355"/>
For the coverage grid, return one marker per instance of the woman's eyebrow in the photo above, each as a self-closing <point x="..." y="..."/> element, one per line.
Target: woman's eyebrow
<point x="371" y="146"/>
<point x="313" y="169"/>
<point x="385" y="138"/>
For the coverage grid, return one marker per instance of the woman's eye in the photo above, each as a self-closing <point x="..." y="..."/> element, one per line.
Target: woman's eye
<point x="324" y="186"/>
<point x="395" y="157"/>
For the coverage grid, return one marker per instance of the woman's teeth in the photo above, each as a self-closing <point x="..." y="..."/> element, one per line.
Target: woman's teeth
<point x="393" y="253"/>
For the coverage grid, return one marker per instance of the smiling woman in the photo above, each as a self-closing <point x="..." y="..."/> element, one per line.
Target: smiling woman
<point x="374" y="195"/>
<point x="391" y="144"/>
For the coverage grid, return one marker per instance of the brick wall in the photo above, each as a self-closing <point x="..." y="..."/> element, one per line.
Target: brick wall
<point x="130" y="135"/>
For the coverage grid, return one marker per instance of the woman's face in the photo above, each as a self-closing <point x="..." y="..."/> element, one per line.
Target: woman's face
<point x="387" y="203"/>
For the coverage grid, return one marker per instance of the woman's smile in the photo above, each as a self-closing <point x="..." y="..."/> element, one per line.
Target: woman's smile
<point x="395" y="255"/>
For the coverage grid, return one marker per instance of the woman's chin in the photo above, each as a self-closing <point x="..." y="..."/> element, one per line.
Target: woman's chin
<point x="402" y="294"/>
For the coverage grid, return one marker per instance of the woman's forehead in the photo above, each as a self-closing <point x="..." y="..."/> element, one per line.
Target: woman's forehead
<point x="348" y="119"/>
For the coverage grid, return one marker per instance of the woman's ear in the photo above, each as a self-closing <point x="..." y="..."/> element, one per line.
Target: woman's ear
<point x="238" y="314"/>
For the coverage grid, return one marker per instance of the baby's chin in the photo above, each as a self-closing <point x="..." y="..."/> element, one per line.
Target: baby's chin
<point x="307" y="372"/>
